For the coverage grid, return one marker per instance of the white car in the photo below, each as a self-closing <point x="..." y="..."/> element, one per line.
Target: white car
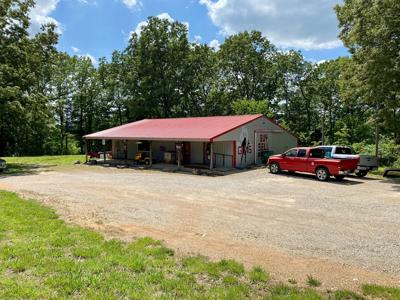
<point x="3" y="165"/>
<point x="366" y="163"/>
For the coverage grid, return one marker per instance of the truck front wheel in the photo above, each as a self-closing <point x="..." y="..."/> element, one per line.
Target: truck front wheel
<point x="322" y="174"/>
<point x="274" y="168"/>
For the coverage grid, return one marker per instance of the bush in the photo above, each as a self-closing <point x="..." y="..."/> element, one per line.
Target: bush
<point x="389" y="151"/>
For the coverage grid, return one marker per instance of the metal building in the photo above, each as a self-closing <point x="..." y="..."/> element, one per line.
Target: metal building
<point x="212" y="142"/>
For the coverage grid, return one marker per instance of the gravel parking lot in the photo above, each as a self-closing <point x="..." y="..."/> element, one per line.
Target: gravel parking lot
<point x="344" y="233"/>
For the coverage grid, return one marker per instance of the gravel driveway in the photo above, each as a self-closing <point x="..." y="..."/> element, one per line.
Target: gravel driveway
<point x="343" y="232"/>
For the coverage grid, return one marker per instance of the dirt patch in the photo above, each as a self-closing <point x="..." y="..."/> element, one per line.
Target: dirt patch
<point x="343" y="234"/>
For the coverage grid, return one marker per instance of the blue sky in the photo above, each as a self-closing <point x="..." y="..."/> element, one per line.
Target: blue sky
<point x="98" y="27"/>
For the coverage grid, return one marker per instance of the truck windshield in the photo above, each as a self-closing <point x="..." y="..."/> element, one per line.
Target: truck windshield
<point x="343" y="150"/>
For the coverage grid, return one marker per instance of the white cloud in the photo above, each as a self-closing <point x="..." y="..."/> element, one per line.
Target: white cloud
<point x="91" y="57"/>
<point x="75" y="49"/>
<point x="130" y="3"/>
<point x="310" y="24"/>
<point x="197" y="38"/>
<point x="165" y="16"/>
<point x="142" y="24"/>
<point x="215" y="44"/>
<point x="40" y="14"/>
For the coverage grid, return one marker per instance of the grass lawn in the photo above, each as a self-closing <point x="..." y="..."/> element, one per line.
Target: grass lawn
<point x="30" y="164"/>
<point x="59" y="160"/>
<point x="42" y="257"/>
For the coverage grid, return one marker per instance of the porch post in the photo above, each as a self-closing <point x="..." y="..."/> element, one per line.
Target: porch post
<point x="211" y="156"/>
<point x="178" y="145"/>
<point x="151" y="153"/>
<point x="86" y="151"/>
<point x="104" y="149"/>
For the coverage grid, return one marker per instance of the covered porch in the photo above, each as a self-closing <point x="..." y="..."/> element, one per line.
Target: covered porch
<point x="166" y="154"/>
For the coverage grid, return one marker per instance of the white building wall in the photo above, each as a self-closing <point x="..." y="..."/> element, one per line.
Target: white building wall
<point x="196" y="152"/>
<point x="225" y="148"/>
<point x="279" y="140"/>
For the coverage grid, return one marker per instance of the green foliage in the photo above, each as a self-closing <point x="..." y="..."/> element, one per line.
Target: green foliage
<point x="389" y="152"/>
<point x="248" y="107"/>
<point x="49" y="99"/>
<point x="371" y="30"/>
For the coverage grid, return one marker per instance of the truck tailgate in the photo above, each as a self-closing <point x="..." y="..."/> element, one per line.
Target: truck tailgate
<point x="349" y="164"/>
<point x="368" y="161"/>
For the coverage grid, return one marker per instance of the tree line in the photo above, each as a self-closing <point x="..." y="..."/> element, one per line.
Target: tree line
<point x="50" y="99"/>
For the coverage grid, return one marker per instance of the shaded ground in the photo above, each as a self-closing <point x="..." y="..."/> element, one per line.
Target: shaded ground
<point x="342" y="233"/>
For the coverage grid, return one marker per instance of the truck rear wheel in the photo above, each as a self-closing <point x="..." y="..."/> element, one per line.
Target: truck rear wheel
<point x="361" y="173"/>
<point x="339" y="177"/>
<point x="322" y="174"/>
<point x="274" y="168"/>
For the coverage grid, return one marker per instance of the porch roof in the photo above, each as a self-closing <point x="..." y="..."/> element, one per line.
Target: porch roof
<point x="175" y="129"/>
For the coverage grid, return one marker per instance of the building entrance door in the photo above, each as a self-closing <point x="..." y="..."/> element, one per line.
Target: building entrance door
<point x="261" y="146"/>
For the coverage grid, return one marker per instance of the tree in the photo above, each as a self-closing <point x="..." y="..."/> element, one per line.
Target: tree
<point x="249" y="107"/>
<point x="160" y="54"/>
<point x="295" y="104"/>
<point x="25" y="64"/>
<point x="202" y="74"/>
<point x="371" y="31"/>
<point x="248" y="66"/>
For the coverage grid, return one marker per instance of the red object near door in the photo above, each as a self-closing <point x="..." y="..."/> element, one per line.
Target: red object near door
<point x="186" y="152"/>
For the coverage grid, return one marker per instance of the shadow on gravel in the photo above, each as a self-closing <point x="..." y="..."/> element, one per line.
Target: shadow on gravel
<point x="331" y="181"/>
<point x="24" y="169"/>
<point x="363" y="178"/>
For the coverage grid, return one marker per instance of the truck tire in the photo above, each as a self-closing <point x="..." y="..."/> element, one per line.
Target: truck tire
<point x="322" y="174"/>
<point x="361" y="173"/>
<point x="274" y="168"/>
<point x="339" y="177"/>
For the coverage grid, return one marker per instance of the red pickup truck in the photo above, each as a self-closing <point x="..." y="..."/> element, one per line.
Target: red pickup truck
<point x="312" y="160"/>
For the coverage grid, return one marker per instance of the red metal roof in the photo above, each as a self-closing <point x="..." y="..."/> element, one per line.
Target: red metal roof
<point x="177" y="129"/>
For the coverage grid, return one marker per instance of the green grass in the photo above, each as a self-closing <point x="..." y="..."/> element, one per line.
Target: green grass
<point x="381" y="292"/>
<point x="41" y="257"/>
<point x="311" y="281"/>
<point x="58" y="160"/>
<point x="346" y="295"/>
<point x="31" y="164"/>
<point x="257" y="274"/>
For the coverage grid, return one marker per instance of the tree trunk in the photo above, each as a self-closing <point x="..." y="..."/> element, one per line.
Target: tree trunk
<point x="376" y="137"/>
<point x="323" y="128"/>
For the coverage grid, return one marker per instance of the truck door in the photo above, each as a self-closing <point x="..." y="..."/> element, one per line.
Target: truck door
<point x="288" y="160"/>
<point x="300" y="161"/>
<point x="314" y="155"/>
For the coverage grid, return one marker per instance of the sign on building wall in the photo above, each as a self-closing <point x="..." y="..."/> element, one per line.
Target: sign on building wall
<point x="244" y="145"/>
